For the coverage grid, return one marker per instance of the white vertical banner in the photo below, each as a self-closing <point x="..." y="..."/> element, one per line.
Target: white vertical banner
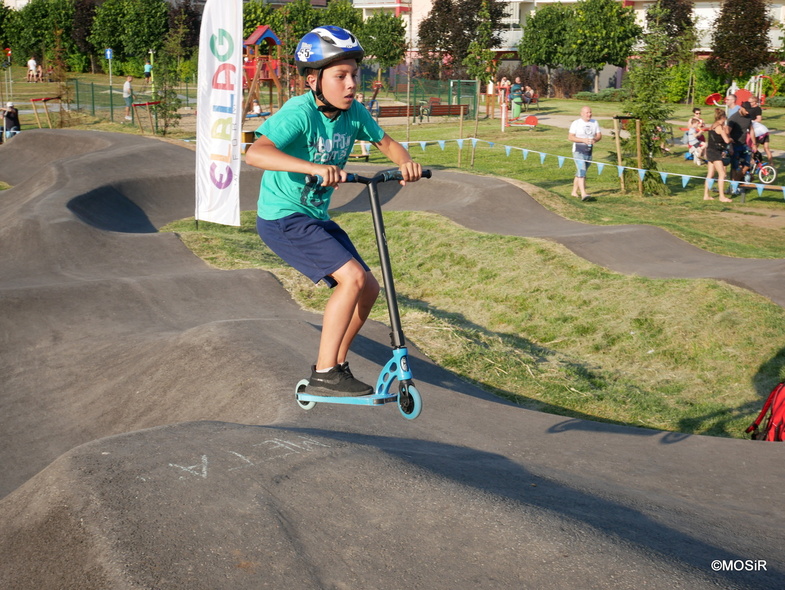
<point x="219" y="112"/>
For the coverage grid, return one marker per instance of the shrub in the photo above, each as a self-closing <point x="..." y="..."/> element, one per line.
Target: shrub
<point x="606" y="95"/>
<point x="677" y="83"/>
<point x="775" y="101"/>
<point x="567" y="83"/>
<point x="707" y="83"/>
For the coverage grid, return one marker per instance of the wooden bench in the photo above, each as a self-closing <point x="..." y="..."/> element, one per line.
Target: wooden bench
<point x="444" y="110"/>
<point x="396" y="111"/>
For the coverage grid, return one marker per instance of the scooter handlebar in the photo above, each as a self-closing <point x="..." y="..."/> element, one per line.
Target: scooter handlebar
<point x="383" y="176"/>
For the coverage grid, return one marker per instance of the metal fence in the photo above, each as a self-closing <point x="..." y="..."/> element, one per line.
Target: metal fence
<point x="445" y="91"/>
<point x="106" y="102"/>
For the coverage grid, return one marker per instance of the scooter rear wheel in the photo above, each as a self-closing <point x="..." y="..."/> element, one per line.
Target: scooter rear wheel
<point x="301" y="389"/>
<point x="409" y="401"/>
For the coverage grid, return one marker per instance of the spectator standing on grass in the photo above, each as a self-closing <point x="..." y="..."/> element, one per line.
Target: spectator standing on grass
<point x="731" y="107"/>
<point x="148" y="73"/>
<point x="11" y="120"/>
<point x="128" y="96"/>
<point x="718" y="140"/>
<point x="760" y="135"/>
<point x="504" y="90"/>
<point x="516" y="98"/>
<point x="584" y="133"/>
<point x="31" y="69"/>
<point x="739" y="126"/>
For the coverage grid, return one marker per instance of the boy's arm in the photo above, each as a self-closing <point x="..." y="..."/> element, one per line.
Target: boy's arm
<point x="411" y="171"/>
<point x="263" y="154"/>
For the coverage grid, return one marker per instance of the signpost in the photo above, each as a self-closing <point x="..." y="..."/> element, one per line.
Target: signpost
<point x="9" y="92"/>
<point x="108" y="54"/>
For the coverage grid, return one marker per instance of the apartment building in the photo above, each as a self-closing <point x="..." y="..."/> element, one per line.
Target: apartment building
<point x="414" y="11"/>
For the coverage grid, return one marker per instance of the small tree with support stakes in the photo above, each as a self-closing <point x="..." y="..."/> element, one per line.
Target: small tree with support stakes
<point x="166" y="101"/>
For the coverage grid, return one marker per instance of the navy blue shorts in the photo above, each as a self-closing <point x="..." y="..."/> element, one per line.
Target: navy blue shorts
<point x="314" y="247"/>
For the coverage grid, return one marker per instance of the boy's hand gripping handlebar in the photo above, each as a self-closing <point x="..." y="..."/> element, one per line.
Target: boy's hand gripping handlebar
<point x="382" y="176"/>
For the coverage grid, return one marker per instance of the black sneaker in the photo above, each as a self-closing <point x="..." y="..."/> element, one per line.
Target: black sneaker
<point x="337" y="382"/>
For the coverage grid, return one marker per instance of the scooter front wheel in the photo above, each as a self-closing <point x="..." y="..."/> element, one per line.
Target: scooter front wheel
<point x="301" y="389"/>
<point x="409" y="401"/>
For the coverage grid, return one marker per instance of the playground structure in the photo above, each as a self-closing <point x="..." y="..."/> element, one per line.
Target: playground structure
<point x="262" y="70"/>
<point x="754" y="87"/>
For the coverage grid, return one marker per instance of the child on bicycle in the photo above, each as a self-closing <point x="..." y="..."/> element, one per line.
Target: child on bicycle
<point x="313" y="134"/>
<point x="696" y="147"/>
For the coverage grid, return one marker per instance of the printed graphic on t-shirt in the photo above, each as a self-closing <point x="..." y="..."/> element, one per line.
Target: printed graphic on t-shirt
<point x="328" y="151"/>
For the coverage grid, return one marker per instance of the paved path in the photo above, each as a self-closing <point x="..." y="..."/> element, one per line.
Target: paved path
<point x="149" y="439"/>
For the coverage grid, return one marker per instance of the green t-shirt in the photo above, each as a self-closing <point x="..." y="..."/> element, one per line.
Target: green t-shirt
<point x="300" y="130"/>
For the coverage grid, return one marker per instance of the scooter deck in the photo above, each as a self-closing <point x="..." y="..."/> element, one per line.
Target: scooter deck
<point x="363" y="400"/>
<point x="372" y="399"/>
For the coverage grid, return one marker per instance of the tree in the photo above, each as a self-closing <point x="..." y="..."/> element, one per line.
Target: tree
<point x="184" y="14"/>
<point x="479" y="60"/>
<point x="255" y="14"/>
<point x="676" y="21"/>
<point x="342" y="13"/>
<point x="145" y="26"/>
<point x="545" y="36"/>
<point x="5" y="22"/>
<point x="740" y="42"/>
<point x="167" y="76"/>
<point x="84" y="13"/>
<point x="108" y="27"/>
<point x="384" y="40"/>
<point x="291" y="22"/>
<point x="647" y="83"/>
<point x="449" y="28"/>
<point x="27" y="37"/>
<point x="603" y="32"/>
<point x="435" y="33"/>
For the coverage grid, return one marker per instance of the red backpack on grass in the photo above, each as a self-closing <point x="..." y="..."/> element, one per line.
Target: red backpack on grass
<point x="775" y="425"/>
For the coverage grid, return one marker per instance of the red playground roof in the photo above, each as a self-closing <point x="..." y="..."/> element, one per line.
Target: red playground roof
<point x="263" y="33"/>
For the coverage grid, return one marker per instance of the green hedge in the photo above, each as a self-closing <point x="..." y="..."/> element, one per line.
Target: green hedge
<point x="775" y="101"/>
<point x="606" y="95"/>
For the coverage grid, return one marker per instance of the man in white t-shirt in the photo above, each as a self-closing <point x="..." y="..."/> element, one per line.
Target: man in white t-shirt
<point x="31" y="69"/>
<point x="584" y="133"/>
<point x="128" y="96"/>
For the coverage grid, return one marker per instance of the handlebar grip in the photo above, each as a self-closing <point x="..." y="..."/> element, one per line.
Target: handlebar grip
<point x="426" y="173"/>
<point x="313" y="178"/>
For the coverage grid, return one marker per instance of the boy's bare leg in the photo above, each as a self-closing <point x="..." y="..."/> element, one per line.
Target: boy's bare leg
<point x="345" y="312"/>
<point x="363" y="308"/>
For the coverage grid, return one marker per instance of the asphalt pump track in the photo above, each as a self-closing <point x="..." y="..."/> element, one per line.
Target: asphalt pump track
<point x="149" y="437"/>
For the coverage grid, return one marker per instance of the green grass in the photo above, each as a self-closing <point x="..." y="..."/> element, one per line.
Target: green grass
<point x="530" y="321"/>
<point x="737" y="229"/>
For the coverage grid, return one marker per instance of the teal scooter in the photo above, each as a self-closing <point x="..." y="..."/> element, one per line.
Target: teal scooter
<point x="397" y="368"/>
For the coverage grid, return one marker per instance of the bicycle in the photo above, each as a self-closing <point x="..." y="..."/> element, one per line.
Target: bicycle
<point x="765" y="171"/>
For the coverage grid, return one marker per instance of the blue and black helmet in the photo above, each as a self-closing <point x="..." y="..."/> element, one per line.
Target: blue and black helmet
<point x="324" y="45"/>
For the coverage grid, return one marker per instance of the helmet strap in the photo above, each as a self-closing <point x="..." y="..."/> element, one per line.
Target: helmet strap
<point x="326" y="107"/>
